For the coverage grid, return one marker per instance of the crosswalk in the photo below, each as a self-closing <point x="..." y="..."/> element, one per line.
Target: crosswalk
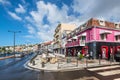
<point x="111" y="71"/>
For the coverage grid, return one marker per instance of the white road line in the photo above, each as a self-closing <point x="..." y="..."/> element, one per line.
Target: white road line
<point x="109" y="73"/>
<point x="102" y="68"/>
<point x="117" y="79"/>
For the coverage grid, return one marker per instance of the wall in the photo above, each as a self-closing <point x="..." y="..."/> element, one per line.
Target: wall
<point x="93" y="34"/>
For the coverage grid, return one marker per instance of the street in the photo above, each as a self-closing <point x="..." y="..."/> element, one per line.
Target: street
<point x="17" y="71"/>
<point x="106" y="72"/>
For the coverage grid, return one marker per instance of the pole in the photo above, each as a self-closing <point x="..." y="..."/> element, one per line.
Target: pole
<point x="14" y="35"/>
<point x="14" y="44"/>
<point x="99" y="60"/>
<point x="86" y="61"/>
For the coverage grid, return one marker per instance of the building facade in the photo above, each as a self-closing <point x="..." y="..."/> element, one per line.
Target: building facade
<point x="97" y="36"/>
<point x="58" y="47"/>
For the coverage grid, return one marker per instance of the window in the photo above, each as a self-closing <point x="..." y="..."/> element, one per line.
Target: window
<point x="77" y="30"/>
<point x="102" y="23"/>
<point x="103" y="36"/>
<point x="117" y="38"/>
<point x="83" y="37"/>
<point x="117" y="26"/>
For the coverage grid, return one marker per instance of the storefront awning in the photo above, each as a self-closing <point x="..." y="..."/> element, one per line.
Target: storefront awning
<point x="117" y="33"/>
<point x="83" y="34"/>
<point x="75" y="37"/>
<point x="105" y="32"/>
<point x="69" y="40"/>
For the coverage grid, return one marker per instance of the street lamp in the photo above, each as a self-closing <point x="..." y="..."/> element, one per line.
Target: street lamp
<point x="14" y="33"/>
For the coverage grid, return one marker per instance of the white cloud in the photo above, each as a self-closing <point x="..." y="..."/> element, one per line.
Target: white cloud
<point x="29" y="36"/>
<point x="4" y="2"/>
<point x="44" y="29"/>
<point x="14" y="16"/>
<point x="82" y="6"/>
<point x="53" y="15"/>
<point x="20" y="9"/>
<point x="98" y="8"/>
<point x="31" y="30"/>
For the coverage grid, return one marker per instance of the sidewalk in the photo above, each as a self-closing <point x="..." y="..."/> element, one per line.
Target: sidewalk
<point x="66" y="66"/>
<point x="6" y="57"/>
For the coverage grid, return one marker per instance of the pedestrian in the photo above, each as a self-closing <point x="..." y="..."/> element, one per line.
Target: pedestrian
<point x="78" y="54"/>
<point x="104" y="53"/>
<point x="91" y="55"/>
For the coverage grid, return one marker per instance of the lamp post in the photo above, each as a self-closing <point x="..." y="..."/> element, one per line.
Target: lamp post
<point x="14" y="34"/>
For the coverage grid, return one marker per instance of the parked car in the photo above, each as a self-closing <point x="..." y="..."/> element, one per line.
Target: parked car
<point x="19" y="55"/>
<point x="117" y="57"/>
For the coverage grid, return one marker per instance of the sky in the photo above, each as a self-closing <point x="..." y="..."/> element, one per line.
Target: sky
<point x="37" y="19"/>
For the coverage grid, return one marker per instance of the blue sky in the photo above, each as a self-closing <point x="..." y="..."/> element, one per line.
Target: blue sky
<point x="37" y="19"/>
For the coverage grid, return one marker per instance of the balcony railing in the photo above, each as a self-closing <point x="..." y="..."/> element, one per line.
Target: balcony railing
<point x="82" y="42"/>
<point x="72" y="44"/>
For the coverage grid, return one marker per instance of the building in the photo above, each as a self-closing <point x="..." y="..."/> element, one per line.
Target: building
<point x="58" y="36"/>
<point x="64" y="40"/>
<point x="97" y="36"/>
<point x="46" y="47"/>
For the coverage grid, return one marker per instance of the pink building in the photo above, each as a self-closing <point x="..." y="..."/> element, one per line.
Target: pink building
<point x="95" y="36"/>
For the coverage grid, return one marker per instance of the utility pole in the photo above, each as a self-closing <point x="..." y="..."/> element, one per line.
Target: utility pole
<point x="14" y="35"/>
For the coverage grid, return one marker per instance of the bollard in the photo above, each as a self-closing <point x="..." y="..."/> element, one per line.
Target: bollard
<point x="111" y="59"/>
<point x="33" y="62"/>
<point x="99" y="60"/>
<point x="86" y="62"/>
<point x="77" y="62"/>
<point x="43" y="64"/>
<point x="68" y="60"/>
<point x="58" y="65"/>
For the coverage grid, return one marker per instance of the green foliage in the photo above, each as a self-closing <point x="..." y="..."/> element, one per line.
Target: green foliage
<point x="80" y="56"/>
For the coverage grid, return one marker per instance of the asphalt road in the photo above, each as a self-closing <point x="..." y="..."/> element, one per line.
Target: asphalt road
<point x="17" y="71"/>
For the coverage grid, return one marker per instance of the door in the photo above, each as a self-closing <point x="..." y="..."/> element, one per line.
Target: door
<point x="117" y="49"/>
<point x="85" y="50"/>
<point x="112" y="50"/>
<point x="104" y="50"/>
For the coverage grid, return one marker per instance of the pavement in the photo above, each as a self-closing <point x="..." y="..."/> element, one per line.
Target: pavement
<point x="66" y="63"/>
<point x="6" y="57"/>
<point x="106" y="72"/>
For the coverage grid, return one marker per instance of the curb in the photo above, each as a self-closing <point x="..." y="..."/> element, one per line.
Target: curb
<point x="48" y="70"/>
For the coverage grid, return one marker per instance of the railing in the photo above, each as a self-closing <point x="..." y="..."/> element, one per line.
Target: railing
<point x="32" y="59"/>
<point x="82" y="42"/>
<point x="71" y="44"/>
<point x="67" y="62"/>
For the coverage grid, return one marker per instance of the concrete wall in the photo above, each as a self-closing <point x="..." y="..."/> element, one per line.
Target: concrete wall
<point x="93" y="34"/>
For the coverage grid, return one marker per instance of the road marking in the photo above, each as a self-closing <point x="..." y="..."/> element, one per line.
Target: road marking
<point x="109" y="73"/>
<point x="102" y="68"/>
<point x="117" y="79"/>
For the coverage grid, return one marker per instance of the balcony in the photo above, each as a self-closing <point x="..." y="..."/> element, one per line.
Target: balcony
<point x="56" y="34"/>
<point x="56" y="46"/>
<point x="82" y="42"/>
<point x="72" y="44"/>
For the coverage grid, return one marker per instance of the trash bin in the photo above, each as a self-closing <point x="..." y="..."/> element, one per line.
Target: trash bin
<point x="43" y="64"/>
<point x="33" y="62"/>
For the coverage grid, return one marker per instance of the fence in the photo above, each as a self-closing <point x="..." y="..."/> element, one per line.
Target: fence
<point x="68" y="62"/>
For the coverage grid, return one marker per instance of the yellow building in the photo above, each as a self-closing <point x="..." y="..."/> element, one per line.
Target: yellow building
<point x="58" y="35"/>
